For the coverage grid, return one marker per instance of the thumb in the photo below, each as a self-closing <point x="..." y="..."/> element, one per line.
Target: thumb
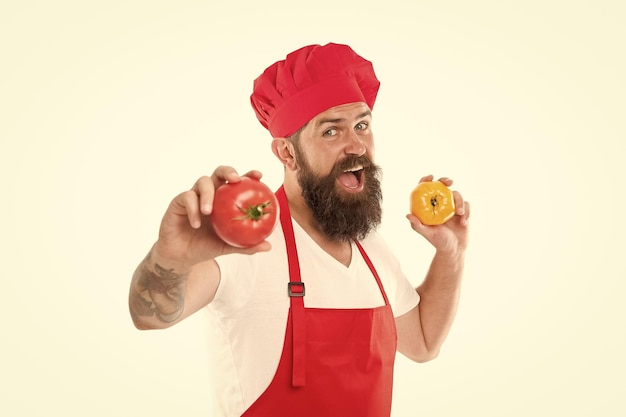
<point x="264" y="246"/>
<point x="424" y="230"/>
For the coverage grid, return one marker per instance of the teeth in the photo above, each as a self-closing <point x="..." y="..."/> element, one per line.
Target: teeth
<point x="358" y="168"/>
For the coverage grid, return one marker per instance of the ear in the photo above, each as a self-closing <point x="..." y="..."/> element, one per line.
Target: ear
<point x="283" y="149"/>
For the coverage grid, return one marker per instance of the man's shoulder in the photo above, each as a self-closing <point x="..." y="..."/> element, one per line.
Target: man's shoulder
<point x="374" y="241"/>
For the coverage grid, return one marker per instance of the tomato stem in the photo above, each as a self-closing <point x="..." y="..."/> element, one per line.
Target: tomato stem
<point x="254" y="212"/>
<point x="434" y="201"/>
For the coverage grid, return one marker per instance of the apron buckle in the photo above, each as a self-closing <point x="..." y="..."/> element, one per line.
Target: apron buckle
<point x="295" y="289"/>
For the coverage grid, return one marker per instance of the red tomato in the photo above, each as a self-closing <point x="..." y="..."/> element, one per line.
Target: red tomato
<point x="244" y="213"/>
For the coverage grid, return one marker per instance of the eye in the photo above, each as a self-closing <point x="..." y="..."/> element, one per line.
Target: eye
<point x="330" y="132"/>
<point x="361" y="126"/>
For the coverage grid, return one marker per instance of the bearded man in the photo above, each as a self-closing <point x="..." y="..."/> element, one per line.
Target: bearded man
<point x="308" y="322"/>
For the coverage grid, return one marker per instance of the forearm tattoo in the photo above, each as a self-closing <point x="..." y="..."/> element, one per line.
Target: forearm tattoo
<point x="159" y="293"/>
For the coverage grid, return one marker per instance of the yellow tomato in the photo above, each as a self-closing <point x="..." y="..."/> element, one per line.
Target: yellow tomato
<point x="432" y="202"/>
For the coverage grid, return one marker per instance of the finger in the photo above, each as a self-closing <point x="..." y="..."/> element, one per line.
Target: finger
<point x="224" y="174"/>
<point x="264" y="246"/>
<point x="253" y="174"/>
<point x="427" y="178"/>
<point x="427" y="232"/>
<point x="459" y="203"/>
<point x="204" y="190"/>
<point x="447" y="181"/>
<point x="465" y="218"/>
<point x="189" y="202"/>
<point x="416" y="224"/>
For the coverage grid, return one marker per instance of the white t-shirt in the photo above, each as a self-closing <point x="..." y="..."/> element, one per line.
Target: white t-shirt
<point x="249" y="311"/>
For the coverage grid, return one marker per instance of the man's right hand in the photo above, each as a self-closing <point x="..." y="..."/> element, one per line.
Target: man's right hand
<point x="186" y="236"/>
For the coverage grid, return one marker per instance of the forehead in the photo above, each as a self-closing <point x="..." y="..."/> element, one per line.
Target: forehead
<point x="344" y="112"/>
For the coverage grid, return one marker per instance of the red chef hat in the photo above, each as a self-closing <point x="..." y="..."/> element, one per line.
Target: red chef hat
<point x="309" y="81"/>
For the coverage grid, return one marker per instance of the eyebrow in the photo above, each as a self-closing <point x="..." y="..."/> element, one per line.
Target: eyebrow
<point x="339" y="120"/>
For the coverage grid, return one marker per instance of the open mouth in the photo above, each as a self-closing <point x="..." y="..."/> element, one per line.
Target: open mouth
<point x="352" y="179"/>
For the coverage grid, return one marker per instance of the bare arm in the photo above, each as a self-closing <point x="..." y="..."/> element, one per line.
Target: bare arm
<point x="161" y="297"/>
<point x="179" y="275"/>
<point x="423" y="330"/>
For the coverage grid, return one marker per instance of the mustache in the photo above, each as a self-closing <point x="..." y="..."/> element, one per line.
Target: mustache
<point x="352" y="161"/>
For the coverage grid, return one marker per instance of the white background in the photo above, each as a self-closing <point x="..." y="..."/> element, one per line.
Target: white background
<point x="109" y="109"/>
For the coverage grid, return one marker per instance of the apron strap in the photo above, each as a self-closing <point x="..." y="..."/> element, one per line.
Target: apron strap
<point x="371" y="267"/>
<point x="295" y="290"/>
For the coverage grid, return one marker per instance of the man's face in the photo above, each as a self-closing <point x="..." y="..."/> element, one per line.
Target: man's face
<point x="338" y="178"/>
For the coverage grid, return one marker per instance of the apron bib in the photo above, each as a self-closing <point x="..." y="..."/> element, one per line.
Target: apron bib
<point x="335" y="362"/>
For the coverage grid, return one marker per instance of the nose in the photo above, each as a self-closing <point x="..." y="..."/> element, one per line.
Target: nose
<point x="355" y="144"/>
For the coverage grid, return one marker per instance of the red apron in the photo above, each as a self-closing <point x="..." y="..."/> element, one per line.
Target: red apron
<point x="335" y="362"/>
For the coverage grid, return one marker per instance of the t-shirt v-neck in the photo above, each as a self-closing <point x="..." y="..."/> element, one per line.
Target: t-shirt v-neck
<point x="352" y="286"/>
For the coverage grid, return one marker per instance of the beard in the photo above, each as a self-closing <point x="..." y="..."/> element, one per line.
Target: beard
<point x="343" y="216"/>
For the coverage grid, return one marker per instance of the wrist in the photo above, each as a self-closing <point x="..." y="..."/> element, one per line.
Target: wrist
<point x="161" y="258"/>
<point x="453" y="257"/>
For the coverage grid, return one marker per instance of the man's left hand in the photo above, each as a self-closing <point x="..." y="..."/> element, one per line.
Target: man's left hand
<point x="450" y="237"/>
